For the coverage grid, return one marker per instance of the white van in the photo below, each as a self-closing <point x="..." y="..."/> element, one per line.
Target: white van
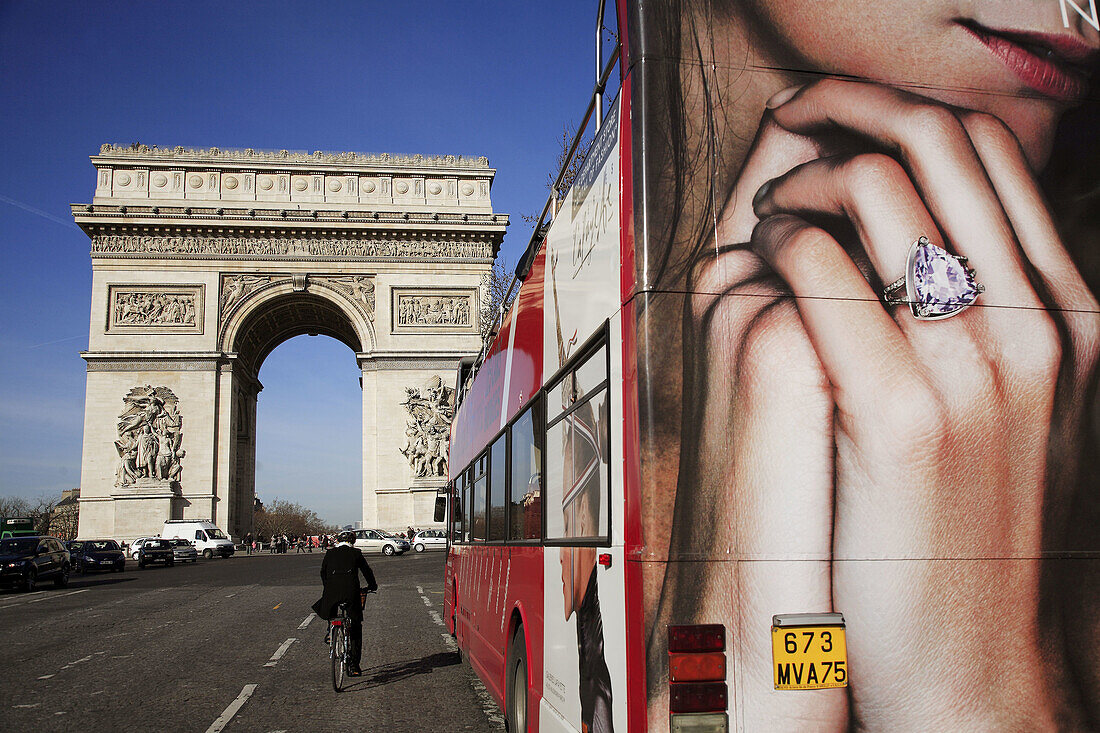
<point x="203" y="534"/>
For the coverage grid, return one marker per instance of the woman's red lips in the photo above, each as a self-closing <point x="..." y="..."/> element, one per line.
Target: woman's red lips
<point x="1051" y="64"/>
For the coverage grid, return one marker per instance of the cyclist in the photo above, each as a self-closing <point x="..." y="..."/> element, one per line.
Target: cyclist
<point x="340" y="574"/>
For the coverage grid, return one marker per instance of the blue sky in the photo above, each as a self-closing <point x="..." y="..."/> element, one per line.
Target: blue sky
<point x="484" y="78"/>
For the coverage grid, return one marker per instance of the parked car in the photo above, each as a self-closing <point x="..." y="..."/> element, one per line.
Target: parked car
<point x="375" y="540"/>
<point x="95" y="555"/>
<point x="429" y="539"/>
<point x="154" y="550"/>
<point x="184" y="551"/>
<point x="135" y="546"/>
<point x="26" y="561"/>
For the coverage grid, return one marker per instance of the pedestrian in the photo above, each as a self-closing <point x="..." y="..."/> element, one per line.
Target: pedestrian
<point x="340" y="574"/>
<point x="248" y="543"/>
<point x="299" y="546"/>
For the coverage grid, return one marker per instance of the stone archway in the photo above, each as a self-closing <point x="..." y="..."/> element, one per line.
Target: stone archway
<point x="204" y="261"/>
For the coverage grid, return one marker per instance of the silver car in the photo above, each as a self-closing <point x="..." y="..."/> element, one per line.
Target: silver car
<point x="183" y="551"/>
<point x="429" y="539"/>
<point x="375" y="541"/>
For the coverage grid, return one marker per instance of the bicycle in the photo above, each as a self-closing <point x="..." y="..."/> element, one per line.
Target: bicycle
<point x="338" y="642"/>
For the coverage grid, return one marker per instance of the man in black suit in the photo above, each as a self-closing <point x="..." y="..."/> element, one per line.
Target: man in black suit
<point x="340" y="573"/>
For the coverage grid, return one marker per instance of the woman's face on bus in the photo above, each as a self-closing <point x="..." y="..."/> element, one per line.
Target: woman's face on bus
<point x="1019" y="50"/>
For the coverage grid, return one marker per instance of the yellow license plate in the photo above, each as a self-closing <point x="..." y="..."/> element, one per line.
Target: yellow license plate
<point x="811" y="656"/>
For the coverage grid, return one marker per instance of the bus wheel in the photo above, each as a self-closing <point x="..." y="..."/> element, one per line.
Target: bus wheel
<point x="516" y="690"/>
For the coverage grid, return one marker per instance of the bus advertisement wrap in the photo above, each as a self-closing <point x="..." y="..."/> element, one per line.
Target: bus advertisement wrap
<point x="793" y="424"/>
<point x="867" y="266"/>
<point x="582" y="256"/>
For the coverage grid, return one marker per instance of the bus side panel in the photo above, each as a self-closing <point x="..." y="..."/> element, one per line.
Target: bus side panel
<point x="525" y="372"/>
<point x="487" y="621"/>
<point x="524" y="606"/>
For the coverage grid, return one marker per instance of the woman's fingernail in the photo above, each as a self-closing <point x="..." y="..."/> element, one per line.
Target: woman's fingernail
<point x="761" y="194"/>
<point x="782" y="97"/>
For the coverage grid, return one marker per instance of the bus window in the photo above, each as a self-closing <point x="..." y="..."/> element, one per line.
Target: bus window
<point x="477" y="509"/>
<point x="467" y="501"/>
<point x="458" y="513"/>
<point x="526" y="486"/>
<point x="577" y="477"/>
<point x="498" y="474"/>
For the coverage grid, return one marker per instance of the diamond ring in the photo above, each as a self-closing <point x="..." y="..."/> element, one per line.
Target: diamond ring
<point x="937" y="284"/>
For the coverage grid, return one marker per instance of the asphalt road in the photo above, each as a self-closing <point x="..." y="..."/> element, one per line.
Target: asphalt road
<point x="232" y="643"/>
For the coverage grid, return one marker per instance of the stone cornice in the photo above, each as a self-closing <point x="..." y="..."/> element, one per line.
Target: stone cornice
<point x="88" y="215"/>
<point x="276" y="158"/>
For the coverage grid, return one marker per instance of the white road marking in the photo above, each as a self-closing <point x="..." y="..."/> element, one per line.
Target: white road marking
<point x="427" y="602"/>
<point x="72" y="593"/>
<point x="44" y="598"/>
<point x="279" y="653"/>
<point x="46" y="676"/>
<point x="305" y="623"/>
<point x="232" y="710"/>
<point x="436" y="617"/>
<point x="231" y="595"/>
<point x="449" y="642"/>
<point x="419" y="590"/>
<point x="31" y="705"/>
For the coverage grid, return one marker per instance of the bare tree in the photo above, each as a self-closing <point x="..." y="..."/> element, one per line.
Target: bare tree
<point x="568" y="132"/>
<point x="285" y="517"/>
<point x="495" y="298"/>
<point x="14" y="506"/>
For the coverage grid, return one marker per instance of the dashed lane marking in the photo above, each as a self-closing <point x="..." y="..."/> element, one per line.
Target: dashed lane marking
<point x="305" y="623"/>
<point x="233" y="709"/>
<point x="27" y="705"/>
<point x="436" y="617"/>
<point x="279" y="653"/>
<point x="47" y="676"/>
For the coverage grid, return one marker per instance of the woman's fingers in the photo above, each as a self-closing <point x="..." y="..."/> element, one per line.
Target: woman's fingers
<point x="774" y="151"/>
<point x="932" y="142"/>
<point x="874" y="193"/>
<point x="1023" y="202"/>
<point x="859" y="344"/>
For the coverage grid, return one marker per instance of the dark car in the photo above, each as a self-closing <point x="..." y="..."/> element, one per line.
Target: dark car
<point x="26" y="561"/>
<point x="156" y="550"/>
<point x="94" y="555"/>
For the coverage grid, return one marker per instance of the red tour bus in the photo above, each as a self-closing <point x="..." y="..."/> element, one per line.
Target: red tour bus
<point x="771" y="439"/>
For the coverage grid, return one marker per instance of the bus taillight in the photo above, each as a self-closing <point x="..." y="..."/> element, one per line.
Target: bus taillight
<point x="697" y="694"/>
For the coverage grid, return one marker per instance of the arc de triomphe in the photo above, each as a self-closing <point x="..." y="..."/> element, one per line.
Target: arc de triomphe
<point x="203" y="261"/>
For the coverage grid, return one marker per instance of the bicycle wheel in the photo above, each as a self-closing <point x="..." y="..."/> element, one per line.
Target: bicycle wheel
<point x="338" y="653"/>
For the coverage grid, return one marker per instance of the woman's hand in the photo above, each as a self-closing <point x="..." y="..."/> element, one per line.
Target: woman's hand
<point x="760" y="467"/>
<point x="943" y="430"/>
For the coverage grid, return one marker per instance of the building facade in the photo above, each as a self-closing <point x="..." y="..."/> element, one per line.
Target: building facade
<point x="203" y="261"/>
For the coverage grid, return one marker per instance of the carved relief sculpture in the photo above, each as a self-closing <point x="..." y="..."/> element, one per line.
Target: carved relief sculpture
<point x="150" y="436"/>
<point x="153" y="308"/>
<point x="359" y="289"/>
<point x="433" y="310"/>
<point x="236" y="287"/>
<point x="124" y="244"/>
<point x="431" y="408"/>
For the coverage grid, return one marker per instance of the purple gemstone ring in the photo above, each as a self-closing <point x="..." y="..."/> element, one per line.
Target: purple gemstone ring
<point x="937" y="284"/>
